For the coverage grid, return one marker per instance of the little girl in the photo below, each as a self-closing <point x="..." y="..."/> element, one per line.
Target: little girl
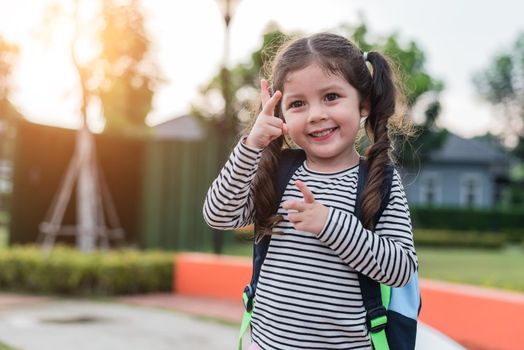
<point x="308" y="294"/>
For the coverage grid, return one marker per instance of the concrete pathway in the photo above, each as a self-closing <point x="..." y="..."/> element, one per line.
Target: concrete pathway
<point x="79" y="325"/>
<point x="42" y="323"/>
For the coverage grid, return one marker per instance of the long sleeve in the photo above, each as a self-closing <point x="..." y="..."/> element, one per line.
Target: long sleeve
<point x="229" y="202"/>
<point x="386" y="255"/>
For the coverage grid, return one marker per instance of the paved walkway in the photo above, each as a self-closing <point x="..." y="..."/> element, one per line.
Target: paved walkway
<point x="152" y="322"/>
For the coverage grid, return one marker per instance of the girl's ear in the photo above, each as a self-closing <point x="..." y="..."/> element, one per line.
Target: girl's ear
<point x="365" y="108"/>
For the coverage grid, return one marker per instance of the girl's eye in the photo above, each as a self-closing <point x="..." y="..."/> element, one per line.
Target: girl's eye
<point x="331" y="97"/>
<point x="296" y="104"/>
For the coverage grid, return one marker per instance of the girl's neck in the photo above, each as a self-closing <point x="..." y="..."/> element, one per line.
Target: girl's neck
<point x="332" y="165"/>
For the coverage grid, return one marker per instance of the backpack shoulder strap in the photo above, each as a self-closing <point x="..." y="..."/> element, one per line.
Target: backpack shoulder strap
<point x="371" y="290"/>
<point x="290" y="161"/>
<point x="386" y="189"/>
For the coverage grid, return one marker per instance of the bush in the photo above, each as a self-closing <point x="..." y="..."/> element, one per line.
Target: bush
<point x="508" y="221"/>
<point x="459" y="239"/>
<point x="67" y="271"/>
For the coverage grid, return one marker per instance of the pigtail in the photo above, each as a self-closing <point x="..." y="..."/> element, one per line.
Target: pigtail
<point x="264" y="189"/>
<point x="382" y="100"/>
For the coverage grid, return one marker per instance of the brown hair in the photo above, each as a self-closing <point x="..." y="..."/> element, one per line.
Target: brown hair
<point x="377" y="86"/>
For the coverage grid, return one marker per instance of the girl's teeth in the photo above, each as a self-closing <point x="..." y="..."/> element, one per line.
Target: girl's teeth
<point x="321" y="133"/>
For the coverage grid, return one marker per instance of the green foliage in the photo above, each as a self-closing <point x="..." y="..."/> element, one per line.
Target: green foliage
<point x="501" y="83"/>
<point x="509" y="221"/>
<point x="67" y="271"/>
<point x="409" y="59"/>
<point x="459" y="239"/>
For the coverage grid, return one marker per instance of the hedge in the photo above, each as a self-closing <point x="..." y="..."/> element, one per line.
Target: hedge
<point x="507" y="221"/>
<point x="66" y="271"/>
<point x="459" y="239"/>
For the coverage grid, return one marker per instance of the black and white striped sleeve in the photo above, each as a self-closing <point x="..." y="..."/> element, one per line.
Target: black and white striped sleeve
<point x="386" y="255"/>
<point x="229" y="202"/>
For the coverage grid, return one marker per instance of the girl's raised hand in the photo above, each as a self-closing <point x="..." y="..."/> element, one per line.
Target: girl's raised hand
<point x="267" y="127"/>
<point x="308" y="215"/>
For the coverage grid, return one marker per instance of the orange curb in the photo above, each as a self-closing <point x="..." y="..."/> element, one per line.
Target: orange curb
<point x="212" y="276"/>
<point x="478" y="318"/>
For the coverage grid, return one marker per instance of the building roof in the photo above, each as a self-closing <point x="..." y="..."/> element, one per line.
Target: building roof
<point x="457" y="149"/>
<point x="184" y="128"/>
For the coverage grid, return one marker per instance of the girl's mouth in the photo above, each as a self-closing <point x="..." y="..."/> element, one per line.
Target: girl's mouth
<point x="323" y="134"/>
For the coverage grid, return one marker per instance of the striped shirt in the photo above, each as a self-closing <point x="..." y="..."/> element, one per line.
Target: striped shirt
<point x="308" y="294"/>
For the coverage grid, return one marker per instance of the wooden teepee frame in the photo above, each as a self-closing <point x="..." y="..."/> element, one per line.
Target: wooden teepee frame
<point x="94" y="202"/>
<point x="93" y="198"/>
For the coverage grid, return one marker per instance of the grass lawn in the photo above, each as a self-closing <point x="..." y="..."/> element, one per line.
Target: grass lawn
<point x="489" y="268"/>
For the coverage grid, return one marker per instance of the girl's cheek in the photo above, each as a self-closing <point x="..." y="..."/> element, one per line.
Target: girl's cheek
<point x="291" y="126"/>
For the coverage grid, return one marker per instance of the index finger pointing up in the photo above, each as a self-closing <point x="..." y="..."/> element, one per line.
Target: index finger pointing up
<point x="264" y="92"/>
<point x="306" y="192"/>
<point x="268" y="102"/>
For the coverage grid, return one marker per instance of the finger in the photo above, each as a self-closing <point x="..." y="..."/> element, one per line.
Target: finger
<point x="284" y="128"/>
<point x="276" y="122"/>
<point x="294" y="205"/>
<point x="273" y="132"/>
<point x="293" y="217"/>
<point x="269" y="107"/>
<point x="264" y="92"/>
<point x="306" y="192"/>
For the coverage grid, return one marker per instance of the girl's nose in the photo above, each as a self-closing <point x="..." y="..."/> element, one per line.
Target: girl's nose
<point x="316" y="114"/>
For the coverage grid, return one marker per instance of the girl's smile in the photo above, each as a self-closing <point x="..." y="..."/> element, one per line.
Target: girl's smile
<point x="323" y="134"/>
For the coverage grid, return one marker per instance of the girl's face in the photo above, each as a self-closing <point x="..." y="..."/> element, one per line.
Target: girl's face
<point x="322" y="113"/>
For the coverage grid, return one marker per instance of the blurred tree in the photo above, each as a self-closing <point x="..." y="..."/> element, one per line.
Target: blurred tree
<point x="502" y="84"/>
<point x="124" y="74"/>
<point x="121" y="72"/>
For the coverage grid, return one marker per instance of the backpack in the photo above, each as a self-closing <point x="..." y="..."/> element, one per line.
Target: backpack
<point x="391" y="313"/>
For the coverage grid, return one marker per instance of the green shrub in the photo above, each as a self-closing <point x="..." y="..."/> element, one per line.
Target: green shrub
<point x="459" y="239"/>
<point x="511" y="222"/>
<point x="67" y="271"/>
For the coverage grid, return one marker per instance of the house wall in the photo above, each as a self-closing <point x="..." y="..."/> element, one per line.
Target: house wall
<point x="454" y="185"/>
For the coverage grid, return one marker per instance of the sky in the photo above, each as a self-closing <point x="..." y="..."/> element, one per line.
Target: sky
<point x="459" y="38"/>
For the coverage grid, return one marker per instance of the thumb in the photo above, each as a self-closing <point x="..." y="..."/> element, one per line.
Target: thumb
<point x="284" y="128"/>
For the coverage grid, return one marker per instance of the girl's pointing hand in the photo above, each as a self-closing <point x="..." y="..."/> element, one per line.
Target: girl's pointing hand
<point x="267" y="127"/>
<point x="307" y="215"/>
